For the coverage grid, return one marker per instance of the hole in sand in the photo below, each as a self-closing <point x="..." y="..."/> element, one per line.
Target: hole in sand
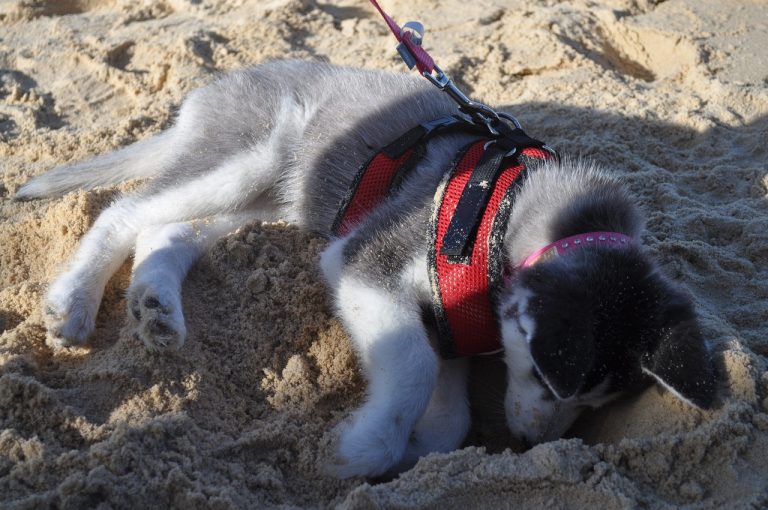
<point x="120" y="56"/>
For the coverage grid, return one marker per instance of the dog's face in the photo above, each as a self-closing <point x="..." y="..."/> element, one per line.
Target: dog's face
<point x="582" y="329"/>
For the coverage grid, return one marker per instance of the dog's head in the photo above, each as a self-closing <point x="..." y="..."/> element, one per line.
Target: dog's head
<point x="580" y="330"/>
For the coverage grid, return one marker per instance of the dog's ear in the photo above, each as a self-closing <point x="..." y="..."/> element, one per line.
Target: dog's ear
<point x="680" y="361"/>
<point x="563" y="352"/>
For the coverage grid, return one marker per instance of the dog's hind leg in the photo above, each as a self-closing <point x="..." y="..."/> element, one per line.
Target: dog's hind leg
<point x="73" y="298"/>
<point x="164" y="255"/>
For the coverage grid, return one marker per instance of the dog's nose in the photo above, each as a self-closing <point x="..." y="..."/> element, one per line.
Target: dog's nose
<point x="524" y="440"/>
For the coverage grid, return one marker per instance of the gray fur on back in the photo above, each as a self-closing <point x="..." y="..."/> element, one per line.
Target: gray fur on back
<point x="340" y="118"/>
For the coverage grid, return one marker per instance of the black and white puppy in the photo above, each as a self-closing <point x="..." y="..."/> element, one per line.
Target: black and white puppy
<point x="285" y="140"/>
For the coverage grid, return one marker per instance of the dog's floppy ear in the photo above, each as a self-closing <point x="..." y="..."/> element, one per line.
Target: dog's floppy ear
<point x="682" y="363"/>
<point x="563" y="352"/>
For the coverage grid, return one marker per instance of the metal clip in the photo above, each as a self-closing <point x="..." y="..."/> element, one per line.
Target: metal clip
<point x="479" y="112"/>
<point x="417" y="31"/>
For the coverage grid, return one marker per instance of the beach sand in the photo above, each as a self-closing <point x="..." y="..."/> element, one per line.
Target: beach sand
<point x="671" y="96"/>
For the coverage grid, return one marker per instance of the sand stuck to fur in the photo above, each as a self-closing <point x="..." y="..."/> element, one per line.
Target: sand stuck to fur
<point x="673" y="96"/>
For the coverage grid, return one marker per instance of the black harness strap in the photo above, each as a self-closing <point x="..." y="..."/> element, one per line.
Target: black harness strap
<point x="463" y="226"/>
<point x="459" y="239"/>
<point x="516" y="139"/>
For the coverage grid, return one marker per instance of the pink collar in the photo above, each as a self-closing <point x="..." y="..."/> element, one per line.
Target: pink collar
<point x="563" y="246"/>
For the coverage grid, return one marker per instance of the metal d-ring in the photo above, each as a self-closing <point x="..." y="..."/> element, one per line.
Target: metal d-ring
<point x="511" y="152"/>
<point x="510" y="118"/>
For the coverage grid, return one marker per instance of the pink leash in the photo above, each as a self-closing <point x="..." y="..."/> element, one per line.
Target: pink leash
<point x="422" y="59"/>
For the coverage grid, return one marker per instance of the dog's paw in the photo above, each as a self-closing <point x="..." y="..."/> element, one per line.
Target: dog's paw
<point x="420" y="444"/>
<point x="366" y="447"/>
<point x="69" y="312"/>
<point x="157" y="317"/>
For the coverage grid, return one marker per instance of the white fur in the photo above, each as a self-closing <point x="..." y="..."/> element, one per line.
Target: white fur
<point x="401" y="367"/>
<point x="332" y="261"/>
<point x="446" y="421"/>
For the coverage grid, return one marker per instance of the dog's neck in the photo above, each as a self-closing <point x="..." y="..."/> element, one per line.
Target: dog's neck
<point x="558" y="201"/>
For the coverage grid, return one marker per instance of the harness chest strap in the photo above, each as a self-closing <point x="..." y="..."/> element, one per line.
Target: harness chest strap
<point x="371" y="186"/>
<point x="385" y="171"/>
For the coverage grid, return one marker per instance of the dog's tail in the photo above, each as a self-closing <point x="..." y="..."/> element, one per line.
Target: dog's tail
<point x="143" y="159"/>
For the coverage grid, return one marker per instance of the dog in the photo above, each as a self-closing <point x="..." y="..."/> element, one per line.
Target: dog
<point x="286" y="140"/>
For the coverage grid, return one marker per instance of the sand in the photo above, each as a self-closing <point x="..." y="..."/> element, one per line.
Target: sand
<point x="671" y="95"/>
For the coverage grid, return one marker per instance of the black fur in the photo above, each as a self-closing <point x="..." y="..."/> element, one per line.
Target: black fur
<point x="610" y="311"/>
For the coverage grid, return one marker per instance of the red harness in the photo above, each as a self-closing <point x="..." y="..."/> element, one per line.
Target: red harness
<point x="467" y="226"/>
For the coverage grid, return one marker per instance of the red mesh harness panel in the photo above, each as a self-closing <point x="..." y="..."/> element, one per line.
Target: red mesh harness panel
<point x="464" y="288"/>
<point x="371" y="187"/>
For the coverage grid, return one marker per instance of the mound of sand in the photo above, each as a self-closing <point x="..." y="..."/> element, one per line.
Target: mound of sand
<point x="672" y="95"/>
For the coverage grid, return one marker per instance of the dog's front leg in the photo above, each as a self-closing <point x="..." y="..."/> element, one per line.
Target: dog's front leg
<point x="446" y="420"/>
<point x="401" y="369"/>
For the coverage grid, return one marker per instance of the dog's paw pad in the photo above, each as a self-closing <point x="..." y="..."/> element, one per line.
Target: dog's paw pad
<point x="161" y="329"/>
<point x="158" y="317"/>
